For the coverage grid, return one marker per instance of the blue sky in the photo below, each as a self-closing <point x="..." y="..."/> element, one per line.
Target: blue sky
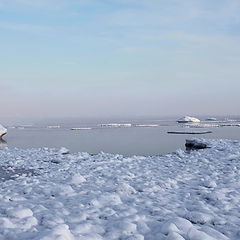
<point x="102" y="58"/>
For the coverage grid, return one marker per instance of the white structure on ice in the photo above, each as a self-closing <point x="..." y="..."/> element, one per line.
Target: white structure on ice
<point x="3" y="130"/>
<point x="188" y="119"/>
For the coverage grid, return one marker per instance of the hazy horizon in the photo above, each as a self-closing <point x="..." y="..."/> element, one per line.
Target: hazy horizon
<point x="102" y="59"/>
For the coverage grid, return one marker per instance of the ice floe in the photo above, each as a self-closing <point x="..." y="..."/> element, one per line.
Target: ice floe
<point x="202" y="125"/>
<point x="230" y="125"/>
<point x="211" y="119"/>
<point x="81" y="128"/>
<point x="77" y="196"/>
<point x="188" y="119"/>
<point x="189" y="132"/>
<point x="146" y="125"/>
<point x="116" y="125"/>
<point x="3" y="131"/>
<point x="54" y="126"/>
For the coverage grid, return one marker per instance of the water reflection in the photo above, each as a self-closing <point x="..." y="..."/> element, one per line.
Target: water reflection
<point x="3" y="143"/>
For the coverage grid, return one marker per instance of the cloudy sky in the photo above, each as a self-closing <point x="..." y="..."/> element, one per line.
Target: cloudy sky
<point x="104" y="58"/>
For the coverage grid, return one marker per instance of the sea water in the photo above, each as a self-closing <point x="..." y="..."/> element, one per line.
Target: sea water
<point x="89" y="136"/>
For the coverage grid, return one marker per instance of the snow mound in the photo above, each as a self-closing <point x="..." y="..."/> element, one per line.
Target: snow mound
<point x="63" y="151"/>
<point x="188" y="119"/>
<point x="3" y="131"/>
<point x="181" y="196"/>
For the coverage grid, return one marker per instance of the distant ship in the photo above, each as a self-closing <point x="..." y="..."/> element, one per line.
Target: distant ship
<point x="3" y="131"/>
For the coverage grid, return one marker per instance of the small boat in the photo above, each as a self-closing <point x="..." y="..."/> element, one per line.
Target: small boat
<point x="3" y="131"/>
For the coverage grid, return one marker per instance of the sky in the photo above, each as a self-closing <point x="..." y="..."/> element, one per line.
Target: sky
<point x="119" y="58"/>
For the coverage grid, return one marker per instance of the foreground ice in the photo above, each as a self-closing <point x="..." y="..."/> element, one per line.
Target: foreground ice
<point x="191" y="196"/>
<point x="3" y="131"/>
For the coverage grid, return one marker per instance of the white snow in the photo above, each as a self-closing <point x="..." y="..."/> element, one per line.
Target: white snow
<point x="179" y="196"/>
<point x="20" y="213"/>
<point x="63" y="150"/>
<point x="77" y="179"/>
<point x="188" y="119"/>
<point x="3" y="130"/>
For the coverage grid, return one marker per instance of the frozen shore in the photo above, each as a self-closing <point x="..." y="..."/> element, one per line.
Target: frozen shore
<point x="53" y="195"/>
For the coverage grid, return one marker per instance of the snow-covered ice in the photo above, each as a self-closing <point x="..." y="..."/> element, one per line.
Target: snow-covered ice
<point x="146" y="125"/>
<point x="3" y="131"/>
<point x="230" y="125"/>
<point x="188" y="119"/>
<point x="179" y="196"/>
<point x="116" y="125"/>
<point x="81" y="128"/>
<point x="202" y="125"/>
<point x="211" y="119"/>
<point x="189" y="132"/>
<point x="212" y="125"/>
<point x="54" y="126"/>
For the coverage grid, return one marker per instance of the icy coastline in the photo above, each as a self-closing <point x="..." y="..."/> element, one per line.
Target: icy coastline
<point x="191" y="196"/>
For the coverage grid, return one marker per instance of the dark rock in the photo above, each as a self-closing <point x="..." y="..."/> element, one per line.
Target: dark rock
<point x="195" y="145"/>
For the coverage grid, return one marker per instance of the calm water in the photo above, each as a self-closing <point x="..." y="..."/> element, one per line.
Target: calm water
<point x="127" y="140"/>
